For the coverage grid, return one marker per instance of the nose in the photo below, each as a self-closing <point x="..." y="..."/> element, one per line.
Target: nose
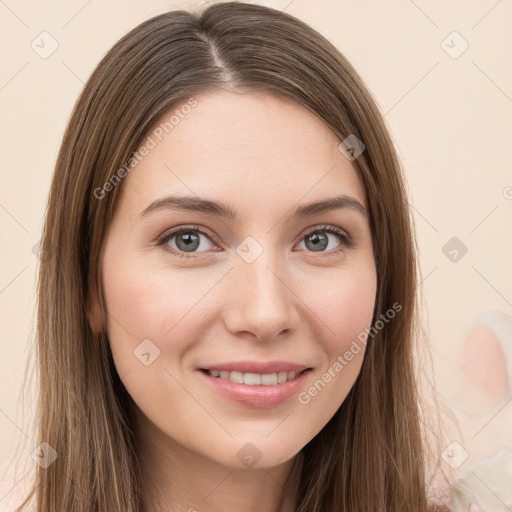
<point x="259" y="300"/>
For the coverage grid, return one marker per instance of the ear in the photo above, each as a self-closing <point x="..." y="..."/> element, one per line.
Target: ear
<point x="93" y="308"/>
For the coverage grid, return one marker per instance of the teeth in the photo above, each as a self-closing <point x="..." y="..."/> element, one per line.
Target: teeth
<point x="269" y="379"/>
<point x="237" y="377"/>
<point x="254" y="379"/>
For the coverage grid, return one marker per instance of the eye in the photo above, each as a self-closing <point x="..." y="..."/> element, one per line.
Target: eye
<point x="187" y="240"/>
<point x="317" y="240"/>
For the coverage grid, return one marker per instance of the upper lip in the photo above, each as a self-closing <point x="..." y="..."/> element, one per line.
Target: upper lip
<point x="257" y="367"/>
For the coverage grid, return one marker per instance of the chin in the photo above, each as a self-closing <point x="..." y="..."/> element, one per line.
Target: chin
<point x="257" y="454"/>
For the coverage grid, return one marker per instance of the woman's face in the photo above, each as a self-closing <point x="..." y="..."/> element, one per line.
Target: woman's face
<point x="258" y="293"/>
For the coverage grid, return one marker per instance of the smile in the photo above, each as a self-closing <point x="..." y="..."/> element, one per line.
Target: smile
<point x="257" y="390"/>
<point x="255" y="379"/>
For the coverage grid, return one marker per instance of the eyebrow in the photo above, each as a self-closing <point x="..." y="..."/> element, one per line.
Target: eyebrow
<point x="197" y="204"/>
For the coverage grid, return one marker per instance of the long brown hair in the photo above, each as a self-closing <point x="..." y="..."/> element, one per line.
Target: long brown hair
<point x="371" y="455"/>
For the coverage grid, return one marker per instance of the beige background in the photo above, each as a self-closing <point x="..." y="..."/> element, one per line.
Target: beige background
<point x="450" y="119"/>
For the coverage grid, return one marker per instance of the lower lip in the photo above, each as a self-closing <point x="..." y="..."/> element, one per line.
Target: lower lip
<point x="259" y="396"/>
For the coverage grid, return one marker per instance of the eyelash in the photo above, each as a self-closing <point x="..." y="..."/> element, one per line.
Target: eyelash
<point x="345" y="239"/>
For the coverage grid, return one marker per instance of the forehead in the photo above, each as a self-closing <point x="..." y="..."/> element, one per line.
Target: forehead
<point x="248" y="148"/>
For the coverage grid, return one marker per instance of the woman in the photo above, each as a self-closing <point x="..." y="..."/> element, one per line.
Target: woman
<point x="227" y="285"/>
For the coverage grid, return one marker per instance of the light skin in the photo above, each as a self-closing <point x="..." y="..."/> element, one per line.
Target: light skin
<point x="297" y="301"/>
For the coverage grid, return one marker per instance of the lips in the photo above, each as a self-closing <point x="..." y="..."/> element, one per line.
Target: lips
<point x="259" y="385"/>
<point x="261" y="368"/>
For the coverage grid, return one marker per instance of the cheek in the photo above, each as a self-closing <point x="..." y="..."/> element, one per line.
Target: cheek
<point x="144" y="302"/>
<point x="344" y="306"/>
<point x="150" y="326"/>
